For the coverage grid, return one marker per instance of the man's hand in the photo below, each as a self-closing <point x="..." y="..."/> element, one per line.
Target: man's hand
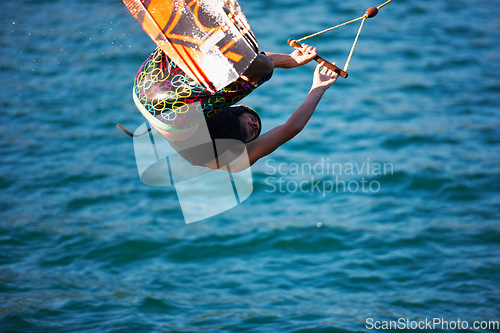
<point x="307" y="54"/>
<point x="295" y="59"/>
<point x="323" y="77"/>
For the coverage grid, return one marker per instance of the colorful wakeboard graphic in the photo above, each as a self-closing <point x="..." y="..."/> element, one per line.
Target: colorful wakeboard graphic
<point x="172" y="101"/>
<point x="210" y="40"/>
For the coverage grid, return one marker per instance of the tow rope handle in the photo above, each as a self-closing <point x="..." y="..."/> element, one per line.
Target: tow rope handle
<point x="329" y="65"/>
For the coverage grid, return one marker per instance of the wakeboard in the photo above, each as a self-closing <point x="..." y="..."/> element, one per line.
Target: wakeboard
<point x="210" y="40"/>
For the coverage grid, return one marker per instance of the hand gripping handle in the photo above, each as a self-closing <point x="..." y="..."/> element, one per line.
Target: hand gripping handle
<point x="328" y="64"/>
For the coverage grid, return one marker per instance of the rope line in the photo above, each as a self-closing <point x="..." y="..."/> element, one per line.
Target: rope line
<point x="363" y="18"/>
<point x="338" y="26"/>
<point x="329" y="29"/>
<point x="382" y="5"/>
<point x="353" y="46"/>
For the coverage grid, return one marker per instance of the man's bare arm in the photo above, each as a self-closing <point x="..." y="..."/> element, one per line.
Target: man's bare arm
<point x="295" y="59"/>
<point x="270" y="141"/>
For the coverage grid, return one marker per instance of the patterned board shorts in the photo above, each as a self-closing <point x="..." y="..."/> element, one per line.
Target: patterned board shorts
<point x="172" y="101"/>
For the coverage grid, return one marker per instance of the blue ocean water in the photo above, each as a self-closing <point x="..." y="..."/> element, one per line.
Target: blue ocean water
<point x="386" y="206"/>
